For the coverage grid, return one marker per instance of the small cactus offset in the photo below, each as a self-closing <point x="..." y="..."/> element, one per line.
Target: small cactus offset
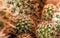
<point x="48" y="12"/>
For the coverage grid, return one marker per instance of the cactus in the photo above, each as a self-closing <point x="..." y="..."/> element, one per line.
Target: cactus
<point x="47" y="31"/>
<point x="47" y="13"/>
<point x="23" y="25"/>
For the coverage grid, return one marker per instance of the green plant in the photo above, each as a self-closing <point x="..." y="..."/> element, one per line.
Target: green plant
<point x="23" y="25"/>
<point x="58" y="23"/>
<point x="47" y="13"/>
<point x="23" y="6"/>
<point x="47" y="31"/>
